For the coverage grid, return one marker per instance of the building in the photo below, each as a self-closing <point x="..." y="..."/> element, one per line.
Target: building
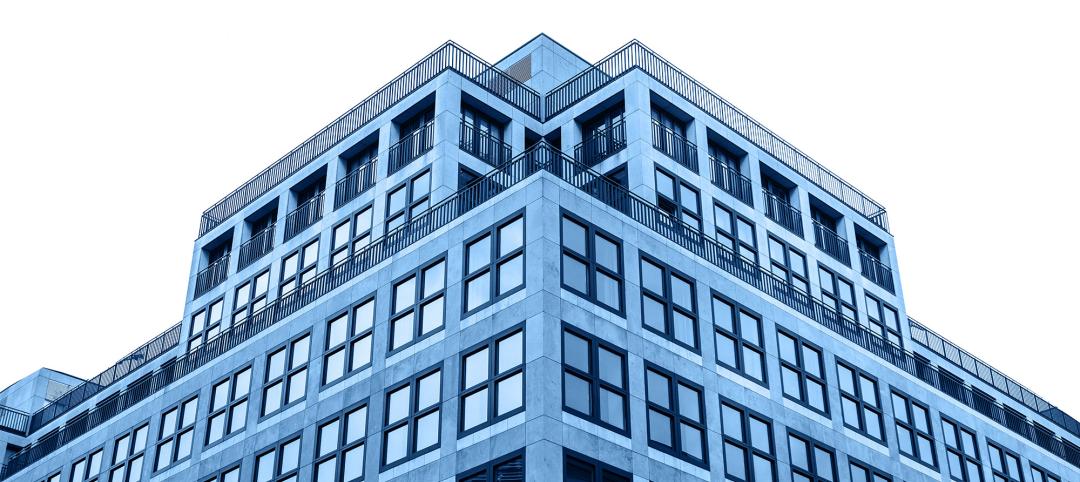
<point x="541" y="270"/>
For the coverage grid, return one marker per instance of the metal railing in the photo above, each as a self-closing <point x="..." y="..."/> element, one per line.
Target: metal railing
<point x="413" y="145"/>
<point x="990" y="375"/>
<point x="14" y="421"/>
<point x="783" y="213"/>
<point x="258" y="245"/>
<point x="356" y="182"/>
<point x="728" y="179"/>
<point x="482" y="145"/>
<point x="876" y="271"/>
<point x="212" y="275"/>
<point x="449" y="56"/>
<point x="306" y="214"/>
<point x="634" y="55"/>
<point x="831" y="243"/>
<point x="602" y="144"/>
<point x="675" y="146"/>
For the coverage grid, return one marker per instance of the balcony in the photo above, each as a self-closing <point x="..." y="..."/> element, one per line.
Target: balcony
<point x="783" y="213"/>
<point x="831" y="243"/>
<point x="728" y="179"/>
<point x="602" y="144"/>
<point x="260" y="243"/>
<point x="307" y="213"/>
<point x="675" y="146"/>
<point x="413" y="145"/>
<point x="482" y="145"/>
<point x="355" y="183"/>
<point x="876" y="271"/>
<point x="212" y="275"/>
<point x="14" y="421"/>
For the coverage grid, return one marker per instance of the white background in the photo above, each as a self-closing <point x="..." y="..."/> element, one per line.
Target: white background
<point x="121" y="123"/>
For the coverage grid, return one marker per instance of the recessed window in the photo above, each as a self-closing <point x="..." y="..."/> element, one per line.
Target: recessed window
<point x="508" y="468"/>
<point x="228" y="405"/>
<point x="859" y="401"/>
<point x="176" y="433"/>
<point x="411" y="424"/>
<point x="749" y="452"/>
<point x="348" y="341"/>
<point x="416" y="136"/>
<point x="595" y="380"/>
<point x="961" y="452"/>
<point x="407" y="200"/>
<point x="351" y="235"/>
<point x="492" y="381"/>
<point x="482" y="137"/>
<point x="592" y="263"/>
<point x="299" y="267"/>
<point x="339" y="448"/>
<point x="279" y="463"/>
<point x="418" y="304"/>
<point x="675" y="414"/>
<point x="87" y="467"/>
<point x="735" y="233"/>
<point x="811" y="461"/>
<point x="494" y="263"/>
<point x="230" y="474"/>
<point x="861" y="472"/>
<point x="579" y="468"/>
<point x="788" y="264"/>
<point x="739" y="345"/>
<point x="205" y="324"/>
<point x="678" y="198"/>
<point x="837" y="293"/>
<point x="250" y="297"/>
<point x="913" y="431"/>
<point x="128" y="455"/>
<point x="668" y="303"/>
<point x="1039" y="474"/>
<point x="1004" y="464"/>
<point x="286" y="375"/>
<point x="802" y="372"/>
<point x="883" y="320"/>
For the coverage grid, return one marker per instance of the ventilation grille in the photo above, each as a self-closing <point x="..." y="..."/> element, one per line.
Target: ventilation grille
<point x="521" y="71"/>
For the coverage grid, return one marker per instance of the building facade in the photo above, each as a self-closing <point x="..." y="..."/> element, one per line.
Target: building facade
<point x="541" y="269"/>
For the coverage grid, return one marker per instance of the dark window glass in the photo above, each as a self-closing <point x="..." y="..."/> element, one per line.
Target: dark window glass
<point x="418" y="306"/>
<point x="595" y="380"/>
<point x="592" y="263"/>
<point x="738" y="338"/>
<point x="802" y="372"/>
<point x="494" y="263"/>
<point x="669" y="304"/>
<point x="492" y="381"/>
<point x="675" y="415"/>
<point x="860" y="403"/>
<point x="411" y="424"/>
<point x="749" y="451"/>
<point x="286" y="375"/>
<point x="913" y="431"/>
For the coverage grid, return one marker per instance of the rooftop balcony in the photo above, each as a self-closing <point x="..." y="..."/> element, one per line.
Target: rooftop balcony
<point x="728" y="179"/>
<point x="831" y="243"/>
<point x="356" y="182"/>
<point x="212" y="275"/>
<point x="482" y="145"/>
<point x="306" y="214"/>
<point x="602" y="144"/>
<point x="783" y="213"/>
<point x="411" y="146"/>
<point x="675" y="146"/>
<point x="876" y="271"/>
<point x="14" y="421"/>
<point x="259" y="245"/>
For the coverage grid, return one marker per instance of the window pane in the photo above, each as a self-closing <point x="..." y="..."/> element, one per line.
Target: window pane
<point x="797" y="449"/>
<point x="607" y="254"/>
<point x="404" y="294"/>
<point x="337" y="330"/>
<point x="427" y="431"/>
<point x="361" y="352"/>
<point x="428" y="389"/>
<point x="652" y="277"/>
<point x="356" y="425"/>
<point x="479" y="254"/>
<point x="510" y="351"/>
<point x="398" y="404"/>
<point x="574" y="274"/>
<point x="611" y="408"/>
<point x="573" y="236"/>
<point x="725" y="350"/>
<point x="575" y="351"/>
<point x="576" y="392"/>
<point x="759" y="435"/>
<point x="654" y="313"/>
<point x="682" y="293"/>
<point x="689" y="403"/>
<point x="432" y="315"/>
<point x="511" y="273"/>
<point x="735" y="461"/>
<point x="732" y="422"/>
<point x="363" y="317"/>
<point x="658" y="387"/>
<point x="354" y="463"/>
<point x="434" y="278"/>
<point x="763" y="469"/>
<point x="691" y="441"/>
<point x="607" y="290"/>
<point x="475" y="410"/>
<point x="300" y="352"/>
<point x="685" y="329"/>
<point x="401" y="331"/>
<point x="610" y="365"/>
<point x="748" y="328"/>
<point x="297" y="386"/>
<point x="659" y="428"/>
<point x="396" y="443"/>
<point x="722" y="314"/>
<point x="328" y="438"/>
<point x="511" y="236"/>
<point x="326" y="471"/>
<point x="476" y="368"/>
<point x="753" y="363"/>
<point x="509" y="394"/>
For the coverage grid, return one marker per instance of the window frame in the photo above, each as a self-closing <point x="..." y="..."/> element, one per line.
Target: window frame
<point x="802" y="373"/>
<point x="305" y="269"/>
<point x="493" y="267"/>
<point x="353" y="244"/>
<point x="667" y="300"/>
<point x="876" y="322"/>
<point x="86" y="463"/>
<point x="594" y="379"/>
<point x="416" y="308"/>
<point x="857" y="397"/>
<point x="873" y="474"/>
<point x="960" y="450"/>
<point x="741" y="343"/>
<point x="909" y="425"/>
<point x="277" y="448"/>
<point x="492" y="379"/>
<point x="812" y="472"/>
<point x="832" y="297"/>
<point x="734" y="236"/>
<point x="209" y="326"/>
<point x="291" y="369"/>
<point x="256" y="299"/>
<point x="175" y="434"/>
<point x="746" y="443"/>
<point x="223" y="474"/>
<point x="1005" y="471"/>
<point x="342" y="446"/>
<point x="233" y="401"/>
<point x="601" y="472"/>
<point x="409" y="211"/>
<point x="674" y="414"/>
<point x="130" y="453"/>
<point x="786" y="271"/>
<point x="352" y="341"/>
<point x="593" y="267"/>
<point x="414" y="413"/>
<point x="1045" y="475"/>
<point x="680" y="211"/>
<point x="489" y="470"/>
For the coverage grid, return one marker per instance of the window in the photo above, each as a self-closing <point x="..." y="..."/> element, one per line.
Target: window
<point x="735" y="232"/>
<point x="53" y="478"/>
<point x="348" y="342"/>
<point x="883" y="320"/>
<point x="351" y="236"/>
<point x="961" y="452"/>
<point x="339" y="450"/>
<point x="407" y="200"/>
<point x="128" y="451"/>
<point x="861" y="472"/>
<point x="837" y="293"/>
<point x="494" y="263"/>
<point x="250" y="297"/>
<point x="299" y="267"/>
<point x="205" y="324"/>
<point x="286" y="375"/>
<point x="802" y="372"/>
<point x="231" y="474"/>
<point x="418" y="304"/>
<point x="668" y="303"/>
<point x="669" y="137"/>
<point x="592" y="263"/>
<point x="279" y="463"/>
<point x="176" y="434"/>
<point x="228" y="405"/>
<point x="508" y="468"/>
<point x="811" y="460"/>
<point x="1004" y="464"/>
<point x="595" y="380"/>
<point x="579" y="468"/>
<point x="1039" y="474"/>
<point x="913" y="431"/>
<point x="676" y="415"/>
<point x="87" y="468"/>
<point x="859" y="402"/>
<point x="788" y="264"/>
<point x="415" y="138"/>
<point x="738" y="338"/>
<point x="493" y="380"/>
<point x="678" y="198"/>
<point x="602" y="136"/>
<point x="411" y="425"/>
<point x="481" y="136"/>
<point x="749" y="453"/>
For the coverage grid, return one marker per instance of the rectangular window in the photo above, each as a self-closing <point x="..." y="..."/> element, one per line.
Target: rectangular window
<point x="348" y="341"/>
<point x="579" y="468"/>
<point x="678" y="198"/>
<point x="411" y="425"/>
<point x="176" y="434"/>
<point x="595" y="380"/>
<point x="494" y="263"/>
<point x="862" y="472"/>
<point x="418" y="304"/>
<point x="128" y="455"/>
<point x="883" y="320"/>
<point x="1004" y="464"/>
<point x="739" y="345"/>
<point x="508" y="468"/>
<point x="811" y="461"/>
<point x="286" y="375"/>
<point x="668" y="303"/>
<point x="407" y="200"/>
<point x="299" y="267"/>
<point x="250" y="297"/>
<point x="837" y="293"/>
<point x="230" y="474"/>
<point x="1038" y="474"/>
<point x="913" y="430"/>
<point x="592" y="263"/>
<point x="788" y="264"/>
<point x="279" y="463"/>
<point x="339" y="448"/>
<point x="228" y="405"/>
<point x="961" y="452"/>
<point x="492" y="381"/>
<point x="735" y="232"/>
<point x="676" y="415"/>
<point x="53" y="478"/>
<point x="749" y="452"/>
<point x="87" y="467"/>
<point x="859" y="401"/>
<point x="802" y="371"/>
<point x="205" y="324"/>
<point x="351" y="235"/>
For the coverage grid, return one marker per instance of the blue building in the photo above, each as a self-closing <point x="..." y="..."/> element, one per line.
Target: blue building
<point x="542" y="269"/>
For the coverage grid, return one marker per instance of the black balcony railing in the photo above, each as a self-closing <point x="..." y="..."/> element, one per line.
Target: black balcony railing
<point x="831" y="243"/>
<point x="212" y="275"/>
<point x="413" y="145"/>
<point x="876" y="271"/>
<point x="482" y="145"/>
<point x="602" y="144"/>
<point x="14" y="421"/>
<point x="355" y="183"/>
<point x="258" y="245"/>
<point x="675" y="146"/>
<point x="728" y="179"/>
<point x="783" y="213"/>
<point x="306" y="214"/>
